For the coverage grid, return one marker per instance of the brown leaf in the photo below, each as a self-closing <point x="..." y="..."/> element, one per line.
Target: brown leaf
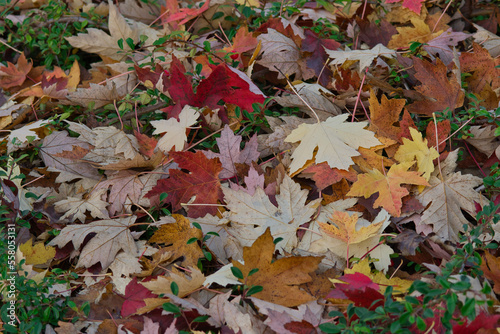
<point x="280" y="279"/>
<point x="441" y="93"/>
<point x="176" y="236"/>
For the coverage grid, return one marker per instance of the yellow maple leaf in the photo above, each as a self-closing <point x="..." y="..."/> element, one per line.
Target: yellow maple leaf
<point x="420" y="32"/>
<point x="388" y="186"/>
<point x="419" y="151"/>
<point x="345" y="228"/>
<point x="400" y="285"/>
<point x="38" y="253"/>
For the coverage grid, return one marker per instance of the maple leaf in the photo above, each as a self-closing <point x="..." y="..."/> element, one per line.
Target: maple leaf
<point x="365" y="57"/>
<point x="337" y="142"/>
<point x="420" y="32"/>
<point x="483" y="67"/>
<point x="175" y="136"/>
<point x="127" y="187"/>
<point x="76" y="206"/>
<point x="186" y="283"/>
<point x="37" y="254"/>
<point x="53" y="151"/>
<point x="413" y="5"/>
<point x="419" y="151"/>
<point x="230" y="153"/>
<point x="19" y="138"/>
<point x="360" y="289"/>
<point x="484" y="139"/>
<point x="97" y="41"/>
<point x="280" y="279"/>
<point x="316" y="97"/>
<point x="112" y="235"/>
<point x="450" y="193"/>
<point x="491" y="268"/>
<point x="325" y="176"/>
<point x="388" y="186"/>
<point x="320" y="245"/>
<point x="440" y="46"/>
<point x="12" y="75"/>
<point x="257" y="210"/>
<point x="383" y="115"/>
<point x="135" y="294"/>
<point x="177" y="236"/>
<point x="443" y="131"/>
<point x="316" y="46"/>
<point x="441" y="92"/>
<point x="202" y="182"/>
<point x="345" y="229"/>
<point x="99" y="95"/>
<point x="363" y="267"/>
<point x="224" y="83"/>
<point x="280" y="54"/>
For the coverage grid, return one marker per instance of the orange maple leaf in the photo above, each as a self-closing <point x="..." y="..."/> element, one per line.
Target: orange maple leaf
<point x="14" y="75"/>
<point x="388" y="186"/>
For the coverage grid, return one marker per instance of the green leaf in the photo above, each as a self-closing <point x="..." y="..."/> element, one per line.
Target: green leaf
<point x="130" y="43"/>
<point x="330" y="328"/>
<point x="237" y="272"/>
<point x="253" y="271"/>
<point x="174" y="288"/>
<point x="192" y="240"/>
<point x="169" y="307"/>
<point x="120" y="43"/>
<point x="254" y="289"/>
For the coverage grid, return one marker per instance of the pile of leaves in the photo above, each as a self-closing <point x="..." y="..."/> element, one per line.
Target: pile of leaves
<point x="244" y="166"/>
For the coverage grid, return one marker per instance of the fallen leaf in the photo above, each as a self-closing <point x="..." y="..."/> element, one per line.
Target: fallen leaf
<point x="417" y="150"/>
<point x="186" y="283"/>
<point x="440" y="92"/>
<point x="37" y="254"/>
<point x="450" y="193"/>
<point x="112" y="235"/>
<point x="337" y="142"/>
<point x="175" y="130"/>
<point x="202" y="182"/>
<point x="388" y="186"/>
<point x="76" y="207"/>
<point x="256" y="213"/>
<point x="12" y="75"/>
<point x="178" y="237"/>
<point x="365" y="57"/>
<point x="280" y="279"/>
<point x="230" y="153"/>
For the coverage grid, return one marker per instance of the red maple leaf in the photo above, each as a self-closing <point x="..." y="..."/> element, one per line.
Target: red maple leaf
<point x="135" y="294"/>
<point x="224" y="83"/>
<point x="361" y="290"/>
<point x="413" y="5"/>
<point x="202" y="182"/>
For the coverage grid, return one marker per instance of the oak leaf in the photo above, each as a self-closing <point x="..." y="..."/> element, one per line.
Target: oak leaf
<point x="176" y="236"/>
<point x="175" y="130"/>
<point x="440" y="92"/>
<point x="387" y="186"/>
<point x="337" y="142"/>
<point x="202" y="182"/>
<point x="112" y="235"/>
<point x="450" y="193"/>
<point x="280" y="279"/>
<point x="252" y="214"/>
<point x="417" y="150"/>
